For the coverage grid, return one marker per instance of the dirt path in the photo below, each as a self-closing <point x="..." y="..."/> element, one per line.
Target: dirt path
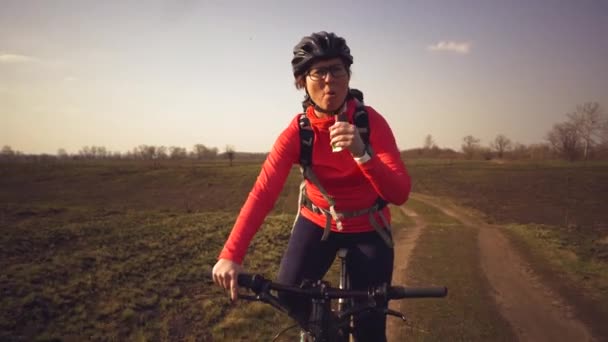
<point x="405" y="240"/>
<point x="535" y="312"/>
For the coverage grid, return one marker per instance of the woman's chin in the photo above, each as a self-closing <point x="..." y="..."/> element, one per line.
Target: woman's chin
<point x="331" y="106"/>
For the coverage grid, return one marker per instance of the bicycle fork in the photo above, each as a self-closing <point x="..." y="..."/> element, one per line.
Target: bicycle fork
<point x="343" y="303"/>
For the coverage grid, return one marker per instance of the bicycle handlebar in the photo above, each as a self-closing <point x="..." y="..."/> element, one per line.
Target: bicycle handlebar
<point x="258" y="283"/>
<point x="398" y="292"/>
<point x="324" y="323"/>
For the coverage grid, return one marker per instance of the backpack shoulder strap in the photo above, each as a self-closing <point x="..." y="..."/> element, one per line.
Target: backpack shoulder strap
<point x="361" y="120"/>
<point x="307" y="138"/>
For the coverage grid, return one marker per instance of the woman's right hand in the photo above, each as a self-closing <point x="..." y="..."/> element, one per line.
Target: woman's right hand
<point x="225" y="274"/>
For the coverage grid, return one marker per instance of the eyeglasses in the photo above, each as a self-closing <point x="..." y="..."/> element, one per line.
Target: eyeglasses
<point x="336" y="70"/>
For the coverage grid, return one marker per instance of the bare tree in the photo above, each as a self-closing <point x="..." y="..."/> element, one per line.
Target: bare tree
<point x="199" y="151"/>
<point x="588" y="122"/>
<point x="94" y="152"/>
<point x="470" y="145"/>
<point x="519" y="151"/>
<point x="212" y="152"/>
<point x="429" y="143"/>
<point x="501" y="144"/>
<point x="485" y="152"/>
<point x="604" y="135"/>
<point x="115" y="155"/>
<point x="539" y="151"/>
<point x="160" y="153"/>
<point x="230" y="152"/>
<point x="145" y="152"/>
<point x="62" y="154"/>
<point x="99" y="152"/>
<point x="7" y="151"/>
<point x="177" y="152"/>
<point x="565" y="140"/>
<point x="85" y="152"/>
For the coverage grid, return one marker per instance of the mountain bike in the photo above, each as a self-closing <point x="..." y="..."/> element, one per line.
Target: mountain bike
<point x="325" y="323"/>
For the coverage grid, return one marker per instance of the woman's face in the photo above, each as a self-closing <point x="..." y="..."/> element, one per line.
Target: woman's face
<point x="327" y="83"/>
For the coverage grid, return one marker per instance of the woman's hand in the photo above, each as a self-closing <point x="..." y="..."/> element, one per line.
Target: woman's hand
<point x="225" y="274"/>
<point x="346" y="135"/>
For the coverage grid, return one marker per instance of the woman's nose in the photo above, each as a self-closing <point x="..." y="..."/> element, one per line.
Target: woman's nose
<point x="329" y="76"/>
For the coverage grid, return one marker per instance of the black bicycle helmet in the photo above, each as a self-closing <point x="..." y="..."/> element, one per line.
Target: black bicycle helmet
<point x="319" y="46"/>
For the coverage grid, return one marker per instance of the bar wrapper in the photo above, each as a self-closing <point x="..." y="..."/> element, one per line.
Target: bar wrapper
<point x="341" y="117"/>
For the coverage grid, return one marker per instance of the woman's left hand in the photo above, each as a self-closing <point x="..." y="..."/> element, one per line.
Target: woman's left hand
<point x="346" y="135"/>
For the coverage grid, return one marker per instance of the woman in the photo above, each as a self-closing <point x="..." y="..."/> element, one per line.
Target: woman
<point x="350" y="180"/>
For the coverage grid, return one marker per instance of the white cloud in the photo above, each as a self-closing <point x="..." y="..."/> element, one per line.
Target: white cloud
<point x="14" y="58"/>
<point x="450" y="46"/>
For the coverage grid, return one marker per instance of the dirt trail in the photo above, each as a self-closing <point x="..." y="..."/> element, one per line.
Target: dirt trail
<point x="405" y="240"/>
<point x="535" y="312"/>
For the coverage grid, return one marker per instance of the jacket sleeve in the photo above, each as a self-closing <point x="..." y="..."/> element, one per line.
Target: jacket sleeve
<point x="386" y="170"/>
<point x="263" y="195"/>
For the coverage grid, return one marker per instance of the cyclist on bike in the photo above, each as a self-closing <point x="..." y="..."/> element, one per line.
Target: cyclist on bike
<point x="345" y="192"/>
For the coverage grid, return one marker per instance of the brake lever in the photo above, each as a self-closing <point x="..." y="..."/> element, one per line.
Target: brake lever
<point x="395" y="313"/>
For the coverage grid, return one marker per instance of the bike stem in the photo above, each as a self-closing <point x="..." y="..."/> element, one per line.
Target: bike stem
<point x="319" y="324"/>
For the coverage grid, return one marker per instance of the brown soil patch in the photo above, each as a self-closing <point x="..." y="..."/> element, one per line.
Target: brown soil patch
<point x="405" y="241"/>
<point x="535" y="312"/>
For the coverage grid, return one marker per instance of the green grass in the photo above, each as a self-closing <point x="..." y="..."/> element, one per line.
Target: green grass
<point x="447" y="254"/>
<point x="570" y="270"/>
<point x="143" y="274"/>
<point x="121" y="250"/>
<point x="399" y="219"/>
<point x="108" y="276"/>
<point x="557" y="216"/>
<point x="549" y="242"/>
<point x="250" y="320"/>
<point x="120" y="186"/>
<point x="563" y="193"/>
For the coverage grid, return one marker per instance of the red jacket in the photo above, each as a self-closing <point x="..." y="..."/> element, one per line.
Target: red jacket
<point x="353" y="186"/>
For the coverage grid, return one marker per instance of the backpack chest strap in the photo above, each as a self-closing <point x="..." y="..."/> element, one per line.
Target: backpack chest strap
<point x="382" y="229"/>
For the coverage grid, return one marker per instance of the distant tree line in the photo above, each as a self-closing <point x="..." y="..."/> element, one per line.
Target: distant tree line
<point x="148" y="152"/>
<point x="583" y="136"/>
<point x="141" y="152"/>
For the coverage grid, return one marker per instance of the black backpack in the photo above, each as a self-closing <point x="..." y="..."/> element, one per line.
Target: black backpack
<point x="307" y="137"/>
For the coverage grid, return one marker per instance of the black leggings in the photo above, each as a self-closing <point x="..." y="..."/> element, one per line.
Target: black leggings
<point x="369" y="262"/>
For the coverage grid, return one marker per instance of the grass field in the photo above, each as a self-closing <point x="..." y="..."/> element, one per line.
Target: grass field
<point x="555" y="213"/>
<point x="553" y="193"/>
<point x="468" y="312"/>
<point x="120" y="250"/>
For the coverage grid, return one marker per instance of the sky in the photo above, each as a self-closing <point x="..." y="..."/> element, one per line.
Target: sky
<point x="120" y="74"/>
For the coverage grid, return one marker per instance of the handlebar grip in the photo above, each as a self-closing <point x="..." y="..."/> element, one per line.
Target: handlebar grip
<point x="245" y="280"/>
<point x="254" y="282"/>
<point x="398" y="292"/>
